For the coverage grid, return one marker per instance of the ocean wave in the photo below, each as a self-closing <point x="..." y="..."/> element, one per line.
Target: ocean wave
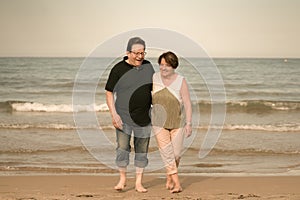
<point x="40" y="168"/>
<point x="238" y="151"/>
<point x="286" y="127"/>
<point x="53" y="126"/>
<point x="254" y="151"/>
<point x="266" y="127"/>
<point x="247" y="106"/>
<point x="23" y="106"/>
<point x="38" y="126"/>
<point x="37" y="151"/>
<point x="248" y="151"/>
<point x="258" y="106"/>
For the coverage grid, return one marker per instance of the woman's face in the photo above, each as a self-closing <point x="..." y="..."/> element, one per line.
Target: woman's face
<point x="165" y="68"/>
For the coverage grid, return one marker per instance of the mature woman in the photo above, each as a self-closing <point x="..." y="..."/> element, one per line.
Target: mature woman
<point x="170" y="96"/>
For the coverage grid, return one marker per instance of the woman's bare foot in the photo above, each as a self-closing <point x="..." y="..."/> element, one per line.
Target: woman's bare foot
<point x="176" y="190"/>
<point x="169" y="184"/>
<point x="140" y="188"/>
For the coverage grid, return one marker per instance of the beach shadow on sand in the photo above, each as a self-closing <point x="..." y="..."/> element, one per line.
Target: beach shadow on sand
<point x="186" y="182"/>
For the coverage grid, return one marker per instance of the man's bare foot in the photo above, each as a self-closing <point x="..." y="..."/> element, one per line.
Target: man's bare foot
<point x="140" y="188"/>
<point x="120" y="186"/>
<point x="176" y="190"/>
<point x="122" y="181"/>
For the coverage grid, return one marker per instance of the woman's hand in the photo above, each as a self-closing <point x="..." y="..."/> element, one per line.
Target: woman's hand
<point x="188" y="129"/>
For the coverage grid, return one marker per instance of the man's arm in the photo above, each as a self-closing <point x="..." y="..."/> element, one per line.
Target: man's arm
<point x="116" y="119"/>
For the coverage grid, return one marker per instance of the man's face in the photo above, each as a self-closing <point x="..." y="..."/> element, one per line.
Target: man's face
<point x="136" y="55"/>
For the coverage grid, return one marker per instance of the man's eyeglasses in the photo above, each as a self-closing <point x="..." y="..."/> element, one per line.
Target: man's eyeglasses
<point x="138" y="53"/>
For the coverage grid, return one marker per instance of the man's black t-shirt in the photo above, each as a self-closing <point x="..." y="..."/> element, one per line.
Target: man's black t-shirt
<point x="132" y="86"/>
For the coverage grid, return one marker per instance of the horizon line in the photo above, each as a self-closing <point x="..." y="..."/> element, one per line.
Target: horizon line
<point x="213" y="57"/>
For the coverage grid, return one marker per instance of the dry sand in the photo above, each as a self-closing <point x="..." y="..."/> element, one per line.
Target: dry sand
<point x="194" y="187"/>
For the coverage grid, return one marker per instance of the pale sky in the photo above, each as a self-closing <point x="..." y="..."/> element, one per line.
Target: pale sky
<point x="224" y="28"/>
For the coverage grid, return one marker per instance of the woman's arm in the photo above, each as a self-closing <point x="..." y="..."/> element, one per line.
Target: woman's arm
<point x="185" y="95"/>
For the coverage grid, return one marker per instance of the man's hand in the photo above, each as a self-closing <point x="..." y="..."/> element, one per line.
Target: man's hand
<point x="117" y="121"/>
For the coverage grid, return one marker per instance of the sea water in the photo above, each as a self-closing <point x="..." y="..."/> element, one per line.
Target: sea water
<point x="39" y="135"/>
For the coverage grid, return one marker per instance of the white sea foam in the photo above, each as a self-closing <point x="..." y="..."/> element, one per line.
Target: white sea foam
<point x="40" y="107"/>
<point x="56" y="126"/>
<point x="288" y="127"/>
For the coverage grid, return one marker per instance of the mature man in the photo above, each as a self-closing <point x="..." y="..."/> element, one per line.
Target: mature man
<point x="130" y="81"/>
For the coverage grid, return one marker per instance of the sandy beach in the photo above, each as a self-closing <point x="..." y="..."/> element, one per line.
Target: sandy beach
<point x="194" y="187"/>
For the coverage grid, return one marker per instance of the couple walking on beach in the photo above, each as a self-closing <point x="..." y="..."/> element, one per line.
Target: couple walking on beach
<point x="132" y="87"/>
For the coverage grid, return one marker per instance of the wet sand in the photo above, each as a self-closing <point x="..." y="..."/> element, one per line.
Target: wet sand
<point x="194" y="187"/>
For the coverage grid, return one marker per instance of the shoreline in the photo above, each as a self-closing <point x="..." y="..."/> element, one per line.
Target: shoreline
<point x="131" y="174"/>
<point x="194" y="187"/>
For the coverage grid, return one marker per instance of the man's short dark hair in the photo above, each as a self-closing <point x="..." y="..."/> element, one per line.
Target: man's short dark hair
<point x="133" y="41"/>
